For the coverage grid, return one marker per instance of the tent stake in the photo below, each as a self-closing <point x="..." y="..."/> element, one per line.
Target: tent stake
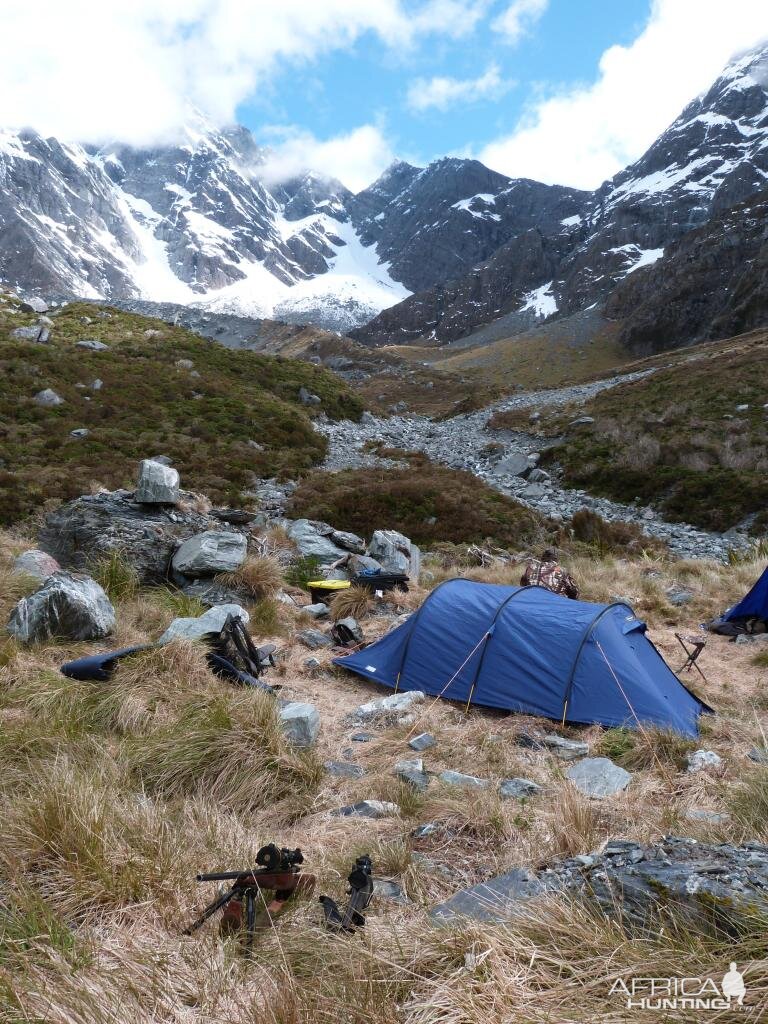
<point x="565" y="712"/>
<point x="397" y="682"/>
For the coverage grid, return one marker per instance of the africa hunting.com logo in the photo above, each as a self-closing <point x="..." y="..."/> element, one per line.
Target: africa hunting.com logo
<point x="682" y="993"/>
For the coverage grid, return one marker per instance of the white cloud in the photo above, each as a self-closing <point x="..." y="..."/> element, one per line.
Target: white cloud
<point x="518" y="18"/>
<point x="582" y="136"/>
<point x="356" y="158"/>
<point x="442" y="92"/>
<point x="91" y="71"/>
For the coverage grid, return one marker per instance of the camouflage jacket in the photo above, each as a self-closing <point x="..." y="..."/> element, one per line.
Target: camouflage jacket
<point x="551" y="576"/>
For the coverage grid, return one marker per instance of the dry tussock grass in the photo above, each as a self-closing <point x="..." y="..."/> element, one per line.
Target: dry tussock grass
<point x="259" y="576"/>
<point x="355" y="601"/>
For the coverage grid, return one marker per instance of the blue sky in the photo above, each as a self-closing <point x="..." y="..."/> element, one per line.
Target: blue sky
<point x="563" y="91"/>
<point x="369" y="83"/>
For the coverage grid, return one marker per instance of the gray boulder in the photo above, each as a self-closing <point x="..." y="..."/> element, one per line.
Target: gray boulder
<point x="598" y="777"/>
<point x="464" y="781"/>
<point x="36" y="563"/>
<point x="210" y="553"/>
<point x="391" y="549"/>
<point x="48" y="398"/>
<point x="96" y="525"/>
<point x="91" y="345"/>
<point x="209" y="622"/>
<point x="412" y="772"/>
<point x="354" y="628"/>
<point x="518" y="789"/>
<point x="311" y="541"/>
<point x="348" y="541"/>
<point x="313" y="639"/>
<point x="27" y="333"/>
<point x="564" y="749"/>
<point x="300" y="723"/>
<point x="516" y="464"/>
<point x="368" y="809"/>
<point x="67" y="606"/>
<point x="538" y="476"/>
<point x="316" y="611"/>
<point x="491" y="901"/>
<point x="307" y="398"/>
<point x="356" y="564"/>
<point x="422" y="742"/>
<point x="157" y="484"/>
<point x="388" y="707"/>
<point x="34" y="304"/>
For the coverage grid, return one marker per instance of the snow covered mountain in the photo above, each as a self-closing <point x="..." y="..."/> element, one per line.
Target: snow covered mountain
<point x="423" y="254"/>
<point x="190" y="223"/>
<point x="713" y="157"/>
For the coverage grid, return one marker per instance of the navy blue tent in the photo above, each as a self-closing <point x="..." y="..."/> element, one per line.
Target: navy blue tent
<point x="526" y="649"/>
<point x="754" y="605"/>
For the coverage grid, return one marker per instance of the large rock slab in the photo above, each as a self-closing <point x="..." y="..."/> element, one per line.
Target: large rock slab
<point x="704" y="886"/>
<point x="450" y="778"/>
<point x="565" y="749"/>
<point x="37" y="564"/>
<point x="598" y="777"/>
<point x="209" y="553"/>
<point x="157" y="484"/>
<point x="96" y="525"/>
<point x="368" y="809"/>
<point x="490" y="901"/>
<point x="209" y="622"/>
<point x="518" y="789"/>
<point x="67" y="606"/>
<point x="412" y="772"/>
<point x="300" y="723"/>
<point x="48" y="398"/>
<point x="313" y="541"/>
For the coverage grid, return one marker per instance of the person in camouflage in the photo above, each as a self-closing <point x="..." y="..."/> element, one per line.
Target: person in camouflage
<point x="546" y="572"/>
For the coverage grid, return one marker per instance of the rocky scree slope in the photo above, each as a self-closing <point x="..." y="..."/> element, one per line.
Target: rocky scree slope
<point x="713" y="157"/>
<point x="509" y="461"/>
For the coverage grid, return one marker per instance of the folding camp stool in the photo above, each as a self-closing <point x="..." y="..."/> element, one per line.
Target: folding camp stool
<point x="697" y="645"/>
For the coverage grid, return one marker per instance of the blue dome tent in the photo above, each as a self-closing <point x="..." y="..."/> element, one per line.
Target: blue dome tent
<point x="752" y="605"/>
<point x="526" y="649"/>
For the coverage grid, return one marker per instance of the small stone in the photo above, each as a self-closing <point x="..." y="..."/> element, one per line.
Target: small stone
<point x="758" y="754"/>
<point x="157" y="484"/>
<point x="362" y="737"/>
<point x="300" y="722"/>
<point x="412" y="772"/>
<point x="79" y="432"/>
<point x="313" y="639"/>
<point x="598" y="777"/>
<point x="518" y="789"/>
<point x="184" y="364"/>
<point x="354" y="628"/>
<point x="699" y="760"/>
<point x="582" y="421"/>
<point x="344" y="770"/>
<point x="368" y="809"/>
<point x="312" y="664"/>
<point x="384" y="888"/>
<point x="564" y="749"/>
<point x="422" y="742"/>
<point x="450" y="778"/>
<point x="97" y="384"/>
<point x="48" y="398"/>
<point x="710" y="817"/>
<point x="91" y="345"/>
<point x="428" y="829"/>
<point x="741" y="408"/>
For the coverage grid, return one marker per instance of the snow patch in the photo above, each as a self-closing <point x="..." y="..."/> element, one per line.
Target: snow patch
<point x="541" y="301"/>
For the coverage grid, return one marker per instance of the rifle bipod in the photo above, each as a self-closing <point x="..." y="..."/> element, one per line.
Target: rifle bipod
<point x="278" y="872"/>
<point x="360" y="895"/>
